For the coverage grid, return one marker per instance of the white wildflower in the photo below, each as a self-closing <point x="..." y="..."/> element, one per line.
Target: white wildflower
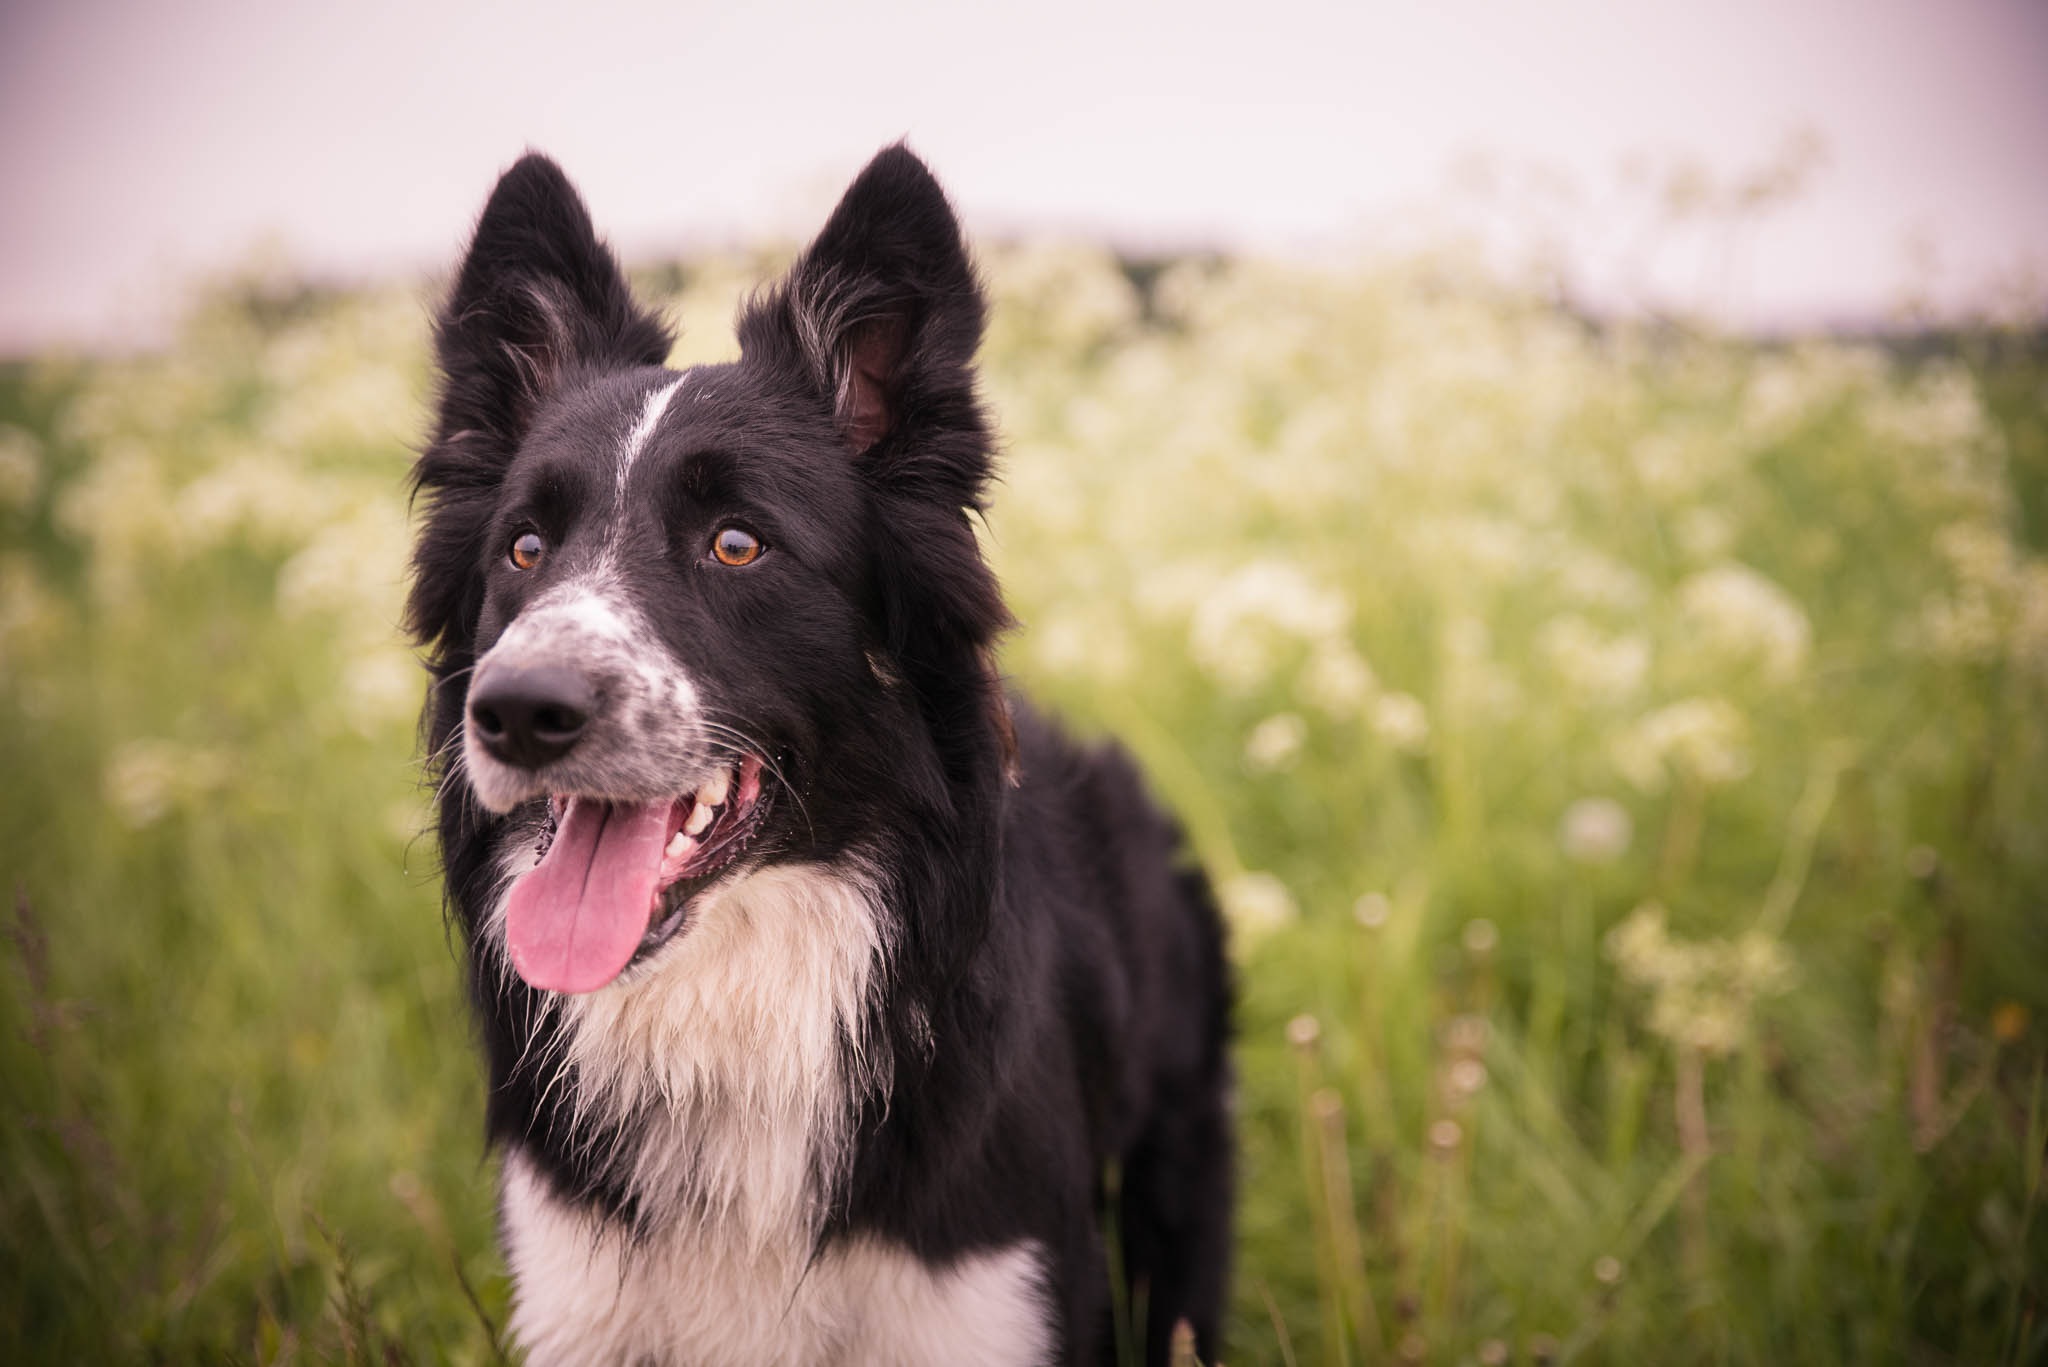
<point x="1595" y="830"/>
<point x="1464" y="1078"/>
<point x="1941" y="410"/>
<point x="1238" y="630"/>
<point x="1490" y="548"/>
<point x="350" y="401"/>
<point x="1066" y="298"/>
<point x="1256" y="904"/>
<point x="1401" y="721"/>
<point x="116" y="507"/>
<point x="1082" y="643"/>
<point x="2030" y="619"/>
<point x="1701" y="993"/>
<point x="1734" y="610"/>
<point x="145" y="779"/>
<point x="1668" y="466"/>
<point x="1706" y="739"/>
<point x="1775" y="401"/>
<point x="1979" y="554"/>
<point x="1598" y="580"/>
<point x="28" y="613"/>
<point x="1467" y="639"/>
<point x="1038" y="484"/>
<point x="1173" y="588"/>
<point x="1337" y="679"/>
<point x="1475" y="683"/>
<point x="255" y="495"/>
<point x="351" y="567"/>
<point x="1594" y="666"/>
<point x="1275" y="743"/>
<point x="1372" y="909"/>
<point x="21" y="466"/>
<point x="1704" y="533"/>
<point x="1963" y="627"/>
<point x="1480" y="937"/>
<point x="1785" y="390"/>
<point x="1992" y="605"/>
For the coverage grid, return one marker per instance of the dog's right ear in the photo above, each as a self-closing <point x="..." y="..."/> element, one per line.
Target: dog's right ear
<point x="537" y="296"/>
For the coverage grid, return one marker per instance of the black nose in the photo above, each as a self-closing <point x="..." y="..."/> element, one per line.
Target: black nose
<point x="530" y="717"/>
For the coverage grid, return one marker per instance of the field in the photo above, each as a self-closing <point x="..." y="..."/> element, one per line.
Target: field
<point x="1622" y="752"/>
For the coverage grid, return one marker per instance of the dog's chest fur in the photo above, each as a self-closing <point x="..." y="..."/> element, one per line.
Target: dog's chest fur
<point x="696" y="1295"/>
<point x="728" y="1074"/>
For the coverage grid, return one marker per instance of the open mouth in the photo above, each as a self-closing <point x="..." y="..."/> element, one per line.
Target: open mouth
<point x="615" y="879"/>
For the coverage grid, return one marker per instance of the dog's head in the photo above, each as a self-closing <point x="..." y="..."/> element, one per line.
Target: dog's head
<point x="685" y="623"/>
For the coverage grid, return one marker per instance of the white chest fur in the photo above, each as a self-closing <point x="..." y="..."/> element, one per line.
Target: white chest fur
<point x="726" y="1062"/>
<point x="694" y="1297"/>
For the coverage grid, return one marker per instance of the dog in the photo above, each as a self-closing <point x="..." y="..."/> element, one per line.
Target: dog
<point x="836" y="1008"/>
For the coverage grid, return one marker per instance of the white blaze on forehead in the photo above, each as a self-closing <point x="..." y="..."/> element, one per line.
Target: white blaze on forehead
<point x="657" y="404"/>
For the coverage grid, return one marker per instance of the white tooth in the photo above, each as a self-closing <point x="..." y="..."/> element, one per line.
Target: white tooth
<point x="700" y="817"/>
<point x="679" y="846"/>
<point x="714" y="790"/>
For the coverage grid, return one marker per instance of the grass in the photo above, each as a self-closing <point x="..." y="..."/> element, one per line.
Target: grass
<point x="1623" y="756"/>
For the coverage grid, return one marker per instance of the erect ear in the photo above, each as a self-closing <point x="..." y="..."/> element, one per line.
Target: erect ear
<point x="882" y="313"/>
<point x="880" y="318"/>
<point x="537" y="295"/>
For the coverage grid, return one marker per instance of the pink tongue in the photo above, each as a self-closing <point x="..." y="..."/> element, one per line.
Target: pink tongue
<point x="574" y="922"/>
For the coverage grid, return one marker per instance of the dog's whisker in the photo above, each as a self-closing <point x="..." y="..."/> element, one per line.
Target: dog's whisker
<point x="766" y="755"/>
<point x="442" y="680"/>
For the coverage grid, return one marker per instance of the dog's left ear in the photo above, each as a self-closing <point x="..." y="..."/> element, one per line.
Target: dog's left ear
<point x="882" y="314"/>
<point x="880" y="319"/>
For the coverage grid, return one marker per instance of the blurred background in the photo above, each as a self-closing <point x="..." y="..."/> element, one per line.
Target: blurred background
<point x="1555" y="496"/>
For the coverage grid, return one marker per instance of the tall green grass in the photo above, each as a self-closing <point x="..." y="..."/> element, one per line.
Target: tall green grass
<point x="1623" y="755"/>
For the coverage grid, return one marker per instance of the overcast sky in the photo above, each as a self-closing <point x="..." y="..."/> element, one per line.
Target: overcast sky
<point x="142" y="142"/>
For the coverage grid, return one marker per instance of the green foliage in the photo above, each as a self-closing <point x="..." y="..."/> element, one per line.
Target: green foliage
<point x="1623" y="757"/>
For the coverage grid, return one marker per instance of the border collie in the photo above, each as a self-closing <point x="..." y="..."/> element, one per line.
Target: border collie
<point x="837" y="1009"/>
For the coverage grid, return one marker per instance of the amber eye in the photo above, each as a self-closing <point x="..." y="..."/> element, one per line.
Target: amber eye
<point x="527" y="549"/>
<point x="736" y="546"/>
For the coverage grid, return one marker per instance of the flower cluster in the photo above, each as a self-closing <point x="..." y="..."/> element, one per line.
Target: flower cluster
<point x="1702" y="993"/>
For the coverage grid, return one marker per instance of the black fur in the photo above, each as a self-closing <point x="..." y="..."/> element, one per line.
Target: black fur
<point x="1055" y="1002"/>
